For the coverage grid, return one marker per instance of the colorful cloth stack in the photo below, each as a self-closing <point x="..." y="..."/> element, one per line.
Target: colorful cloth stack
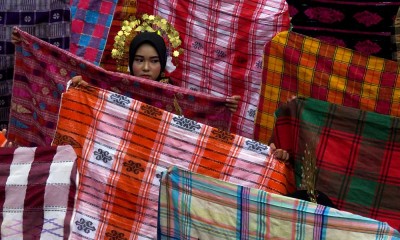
<point x="193" y="206"/>
<point x="123" y="145"/>
<point x="357" y="154"/>
<point x="37" y="192"/>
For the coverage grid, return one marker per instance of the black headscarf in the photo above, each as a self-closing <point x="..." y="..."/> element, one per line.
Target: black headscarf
<point x="154" y="40"/>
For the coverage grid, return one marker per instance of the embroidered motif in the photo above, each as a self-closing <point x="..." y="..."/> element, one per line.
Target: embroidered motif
<point x="197" y="45"/>
<point x="120" y="100"/>
<point x="255" y="146"/>
<point x="367" y="18"/>
<point x="186" y="123"/>
<point x="65" y="140"/>
<point x="150" y="110"/>
<point x="114" y="235"/>
<point x="85" y="225"/>
<point x="102" y="155"/>
<point x="131" y="166"/>
<point x="222" y="135"/>
<point x="252" y="113"/>
<point x="220" y="53"/>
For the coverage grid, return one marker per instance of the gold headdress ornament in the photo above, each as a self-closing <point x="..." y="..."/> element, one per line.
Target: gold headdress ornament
<point x="148" y="23"/>
<point x="309" y="172"/>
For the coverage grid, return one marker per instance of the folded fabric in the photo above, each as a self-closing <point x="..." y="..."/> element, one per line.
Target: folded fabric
<point x="223" y="43"/>
<point x="357" y="155"/>
<point x="37" y="192"/>
<point x="123" y="145"/>
<point x="91" y="21"/>
<point x="41" y="74"/>
<point x="47" y="20"/>
<point x="194" y="206"/>
<point x="304" y="66"/>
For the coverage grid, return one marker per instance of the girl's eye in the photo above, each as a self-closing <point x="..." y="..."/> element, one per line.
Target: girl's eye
<point x="138" y="59"/>
<point x="155" y="60"/>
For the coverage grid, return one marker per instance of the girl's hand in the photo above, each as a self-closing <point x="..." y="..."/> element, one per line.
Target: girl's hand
<point x="232" y="102"/>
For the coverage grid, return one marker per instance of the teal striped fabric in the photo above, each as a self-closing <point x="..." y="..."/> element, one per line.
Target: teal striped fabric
<point x="193" y="206"/>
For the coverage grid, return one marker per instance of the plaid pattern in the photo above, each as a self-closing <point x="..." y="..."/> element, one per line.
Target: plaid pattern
<point x="124" y="9"/>
<point x="223" y="43"/>
<point x="37" y="190"/>
<point x="239" y="212"/>
<point x="303" y="66"/>
<point x="49" y="20"/>
<point x="123" y="145"/>
<point x="358" y="154"/>
<point x="91" y="21"/>
<point x="42" y="72"/>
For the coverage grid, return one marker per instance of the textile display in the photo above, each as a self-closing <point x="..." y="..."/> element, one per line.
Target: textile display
<point x="357" y="154"/>
<point x="42" y="72"/>
<point x="37" y="192"/>
<point x="91" y="21"/>
<point x="298" y="65"/>
<point x="223" y="45"/>
<point x="123" y="145"/>
<point x="48" y="20"/>
<point x="396" y="37"/>
<point x="124" y="9"/>
<point x="194" y="206"/>
<point x="365" y="26"/>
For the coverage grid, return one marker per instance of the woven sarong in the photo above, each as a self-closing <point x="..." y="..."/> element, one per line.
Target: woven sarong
<point x="193" y="206"/>
<point x="365" y="25"/>
<point x="123" y="145"/>
<point x="42" y="72"/>
<point x="91" y="21"/>
<point x="303" y="66"/>
<point x="223" y="43"/>
<point x="37" y="192"/>
<point x="49" y="20"/>
<point x="358" y="154"/>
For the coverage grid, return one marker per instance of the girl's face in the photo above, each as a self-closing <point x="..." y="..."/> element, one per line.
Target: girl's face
<point x="146" y="63"/>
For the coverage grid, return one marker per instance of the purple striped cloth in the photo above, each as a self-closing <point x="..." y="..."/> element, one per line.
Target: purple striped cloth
<point x="37" y="192"/>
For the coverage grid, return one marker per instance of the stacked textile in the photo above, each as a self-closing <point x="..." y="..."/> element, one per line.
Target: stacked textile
<point x="223" y="43"/>
<point x="37" y="192"/>
<point x="47" y="20"/>
<point x="304" y="66"/>
<point x="193" y="206"/>
<point x="357" y="154"/>
<point x="123" y="145"/>
<point x="42" y="71"/>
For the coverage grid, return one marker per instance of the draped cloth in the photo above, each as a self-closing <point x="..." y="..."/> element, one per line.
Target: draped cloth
<point x="91" y="21"/>
<point x="299" y="65"/>
<point x="223" y="45"/>
<point x="48" y="20"/>
<point x="396" y="36"/>
<point x="194" y="206"/>
<point x="123" y="145"/>
<point x="43" y="70"/>
<point x="357" y="154"/>
<point x="37" y="192"/>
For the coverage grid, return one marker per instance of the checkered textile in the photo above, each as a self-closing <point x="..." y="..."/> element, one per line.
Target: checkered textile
<point x="365" y="26"/>
<point x="298" y="65"/>
<point x="49" y="20"/>
<point x="396" y="36"/>
<point x="124" y="9"/>
<point x="223" y="44"/>
<point x="193" y="206"/>
<point x="123" y="145"/>
<point x="42" y="72"/>
<point x="357" y="152"/>
<point x="37" y="192"/>
<point x="91" y="21"/>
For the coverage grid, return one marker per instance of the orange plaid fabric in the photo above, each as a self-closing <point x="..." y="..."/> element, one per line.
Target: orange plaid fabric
<point x="298" y="65"/>
<point x="123" y="145"/>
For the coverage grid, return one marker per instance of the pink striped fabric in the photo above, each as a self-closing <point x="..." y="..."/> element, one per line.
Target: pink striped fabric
<point x="37" y="192"/>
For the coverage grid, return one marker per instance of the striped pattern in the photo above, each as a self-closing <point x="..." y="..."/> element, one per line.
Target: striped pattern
<point x="358" y="155"/>
<point x="43" y="70"/>
<point x="396" y="36"/>
<point x="91" y="21"/>
<point x="303" y="66"/>
<point x="223" y="44"/>
<point x="123" y="145"/>
<point x="37" y="190"/>
<point x="193" y="206"/>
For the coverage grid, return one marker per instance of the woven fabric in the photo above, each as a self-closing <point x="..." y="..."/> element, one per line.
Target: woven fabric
<point x="49" y="20"/>
<point x="396" y="37"/>
<point x="124" y="9"/>
<point x="91" y="21"/>
<point x="37" y="192"/>
<point x="357" y="154"/>
<point x="304" y="66"/>
<point x="123" y="145"/>
<point x="42" y="72"/>
<point x="223" y="44"/>
<point x="365" y="26"/>
<point x="194" y="206"/>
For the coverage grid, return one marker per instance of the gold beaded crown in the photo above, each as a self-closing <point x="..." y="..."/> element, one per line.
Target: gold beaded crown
<point x="148" y="23"/>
